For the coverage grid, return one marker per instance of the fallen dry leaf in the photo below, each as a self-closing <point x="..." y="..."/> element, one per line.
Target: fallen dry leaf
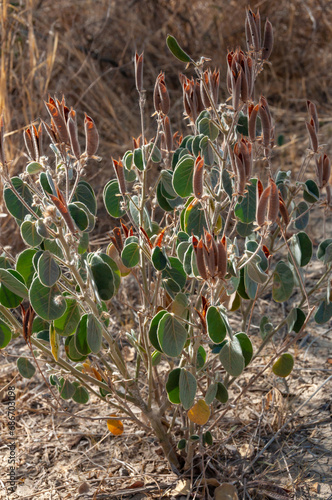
<point x="225" y="491"/>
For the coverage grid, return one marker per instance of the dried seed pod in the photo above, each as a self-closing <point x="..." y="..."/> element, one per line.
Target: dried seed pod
<point x="51" y="132"/>
<point x="198" y="177"/>
<point x="283" y="210"/>
<point x="244" y="86"/>
<point x="241" y="174"/>
<point x="73" y="135"/>
<point x="246" y="151"/>
<point x="211" y="246"/>
<point x="252" y="123"/>
<point x="200" y="260"/>
<point x="59" y="122"/>
<point x="262" y="206"/>
<point x="257" y="18"/>
<point x="312" y="136"/>
<point x="266" y="126"/>
<point x="118" y="238"/>
<point x="268" y="41"/>
<point x="211" y="259"/>
<point x="204" y="96"/>
<point x="159" y="238"/>
<point x="253" y="30"/>
<point x="168" y="134"/>
<point x="119" y="172"/>
<point x="236" y="89"/>
<point x="28" y="143"/>
<point x="125" y="230"/>
<point x="232" y="160"/>
<point x="273" y="208"/>
<point x="263" y="102"/>
<point x="139" y="71"/>
<point x="91" y="136"/>
<point x="319" y="171"/>
<point x="147" y="239"/>
<point x="203" y="320"/>
<point x="313" y="114"/>
<point x="160" y="95"/>
<point x="326" y="170"/>
<point x="222" y="258"/>
<point x="60" y="204"/>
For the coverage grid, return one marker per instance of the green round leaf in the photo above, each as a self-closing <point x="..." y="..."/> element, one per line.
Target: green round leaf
<point x="211" y="393"/>
<point x="112" y="264"/>
<point x="13" y="204"/>
<point x="47" y="302"/>
<point x="158" y="258"/>
<point x="284" y="365"/>
<point x="94" y="334"/>
<point x="216" y="325"/>
<point x="14" y="282"/>
<point x="79" y="216"/>
<point x="138" y="158"/>
<point x="80" y="337"/>
<point x="34" y="168"/>
<point x="154" y="328"/>
<point x="81" y="395"/>
<point x="113" y="199"/>
<point x="310" y="191"/>
<point x="301" y="248"/>
<point x="187" y="388"/>
<point x="232" y="358"/>
<point x="246" y="347"/>
<point x="208" y="128"/>
<point x="5" y="334"/>
<point x="71" y="351"/>
<point x="324" y="252"/>
<point x="103" y="277"/>
<point x="295" y="320"/>
<point x="172" y="386"/>
<point x="48" y="270"/>
<point x="183" y="176"/>
<point x="42" y="229"/>
<point x="85" y="194"/>
<point x="245" y="210"/>
<point x="130" y="255"/>
<point x="67" y="389"/>
<point x="324" y="312"/>
<point x="182" y="444"/>
<point x="26" y="369"/>
<point x="29" y="233"/>
<point x="172" y="335"/>
<point x="66" y="325"/>
<point x="201" y="357"/>
<point x="194" y="220"/>
<point x="222" y="393"/>
<point x="283" y="282"/>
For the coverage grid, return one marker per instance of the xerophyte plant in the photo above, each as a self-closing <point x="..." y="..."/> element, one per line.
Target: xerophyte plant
<point x="215" y="230"/>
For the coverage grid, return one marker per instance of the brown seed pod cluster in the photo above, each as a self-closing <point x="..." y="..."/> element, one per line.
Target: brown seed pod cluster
<point x="198" y="177"/>
<point x="33" y="142"/>
<point x="63" y="131"/>
<point x="160" y="95"/>
<point x="262" y="109"/>
<point x="192" y="99"/>
<point x="323" y="170"/>
<point x="240" y="77"/>
<point x="241" y="161"/>
<point x="267" y="203"/>
<point x="212" y="83"/>
<point x="119" y="172"/>
<point x="254" y="36"/>
<point x="211" y="256"/>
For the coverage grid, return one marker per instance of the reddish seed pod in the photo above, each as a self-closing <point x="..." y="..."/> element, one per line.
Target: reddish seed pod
<point x="222" y="258"/>
<point x="319" y="171"/>
<point x="28" y="143"/>
<point x="59" y="122"/>
<point x="326" y="170"/>
<point x="118" y="238"/>
<point x="283" y="210"/>
<point x="211" y="255"/>
<point x="262" y="206"/>
<point x="252" y="123"/>
<point x="139" y="71"/>
<point x="328" y="195"/>
<point x="168" y="134"/>
<point x="253" y="30"/>
<point x="273" y="208"/>
<point x="268" y="41"/>
<point x="204" y="96"/>
<point x="198" y="177"/>
<point x="200" y="260"/>
<point x="73" y="135"/>
<point x="266" y="126"/>
<point x="236" y="89"/>
<point x="91" y="136"/>
<point x="119" y="172"/>
<point x="313" y="114"/>
<point x="241" y="174"/>
<point x="211" y="244"/>
<point x="312" y="136"/>
<point x="61" y="206"/>
<point x="125" y="230"/>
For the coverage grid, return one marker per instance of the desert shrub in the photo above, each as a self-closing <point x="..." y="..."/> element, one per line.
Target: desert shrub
<point x="207" y="226"/>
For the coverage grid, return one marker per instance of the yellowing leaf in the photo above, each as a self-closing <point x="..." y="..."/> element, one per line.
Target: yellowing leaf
<point x="199" y="413"/>
<point x="54" y="340"/>
<point x="115" y="426"/>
